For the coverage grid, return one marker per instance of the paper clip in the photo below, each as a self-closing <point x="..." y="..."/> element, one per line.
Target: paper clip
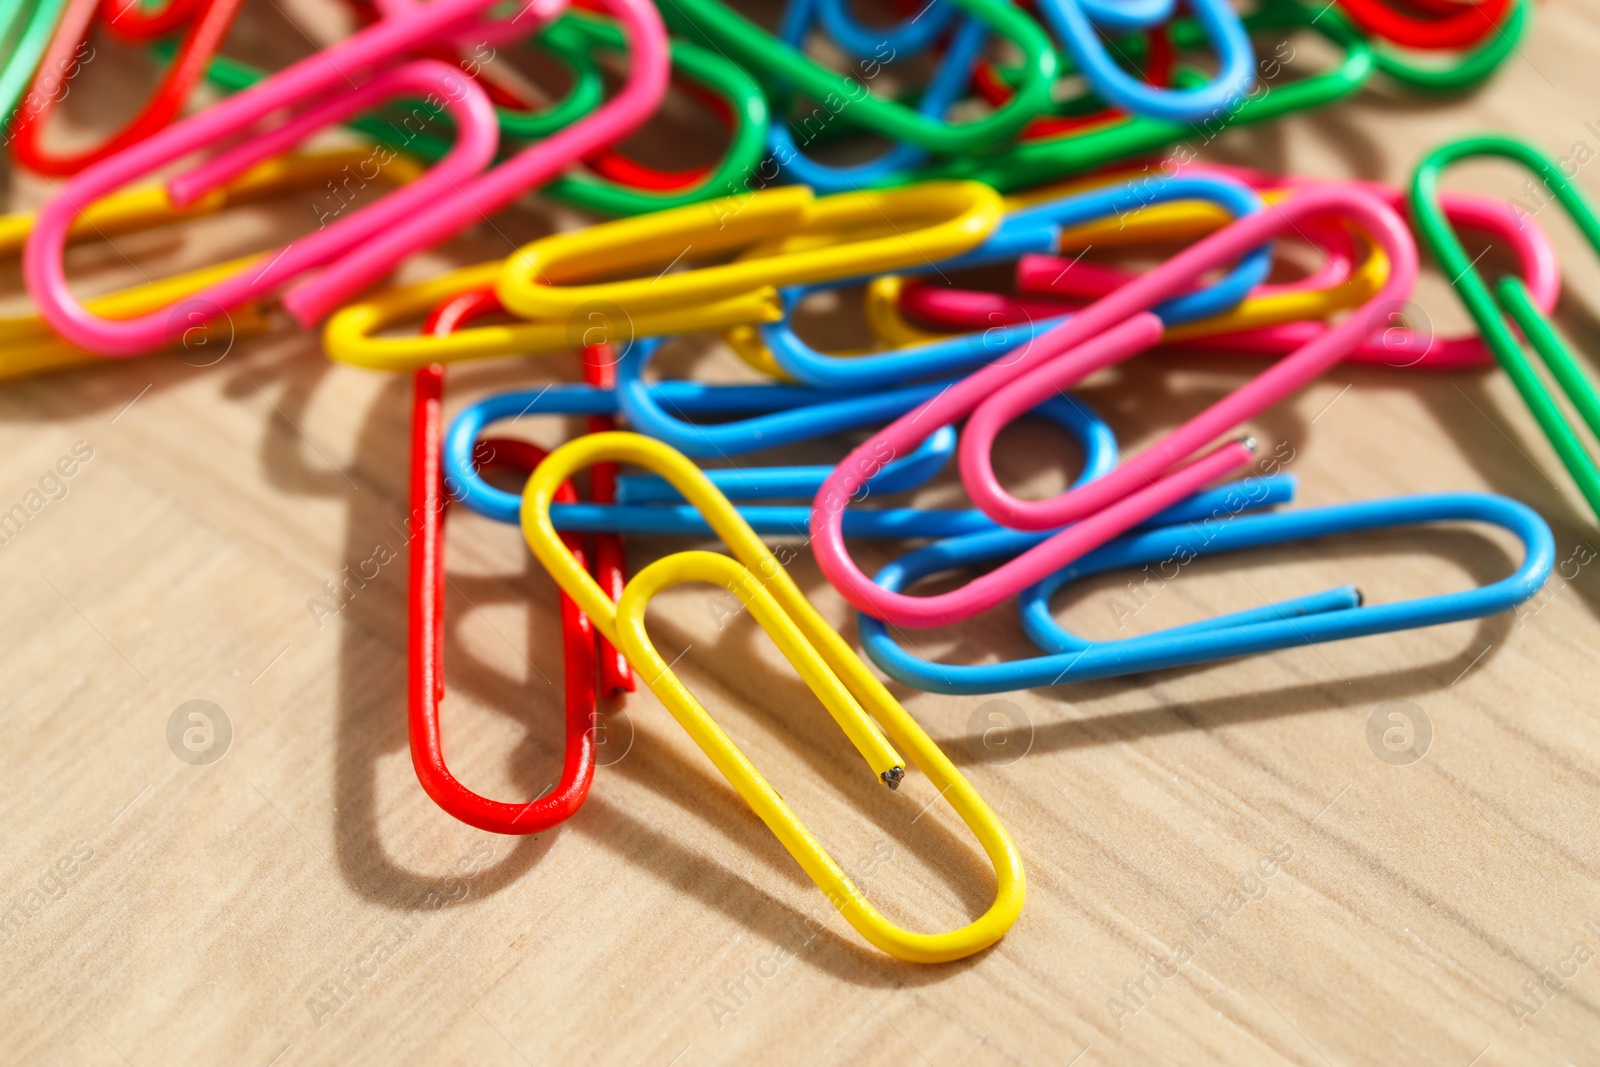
<point x="649" y="505"/>
<point x="1247" y="329"/>
<point x="1333" y="615"/>
<point x="1035" y="162"/>
<point x="1447" y="27"/>
<point x="943" y="91"/>
<point x="785" y="70"/>
<point x="872" y="231"/>
<point x="618" y="185"/>
<point x="858" y="702"/>
<point x="1103" y="333"/>
<point x="43" y="266"/>
<point x="29" y="346"/>
<point x="1036" y="228"/>
<point x="26" y="28"/>
<point x="1236" y="62"/>
<point x="208" y="22"/>
<point x="425" y="670"/>
<point x="352" y="252"/>
<point x="610" y="562"/>
<point x="904" y="39"/>
<point x="1510" y="302"/>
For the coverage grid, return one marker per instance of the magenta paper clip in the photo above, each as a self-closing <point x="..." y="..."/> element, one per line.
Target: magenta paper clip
<point x="1112" y="328"/>
<point x="1397" y="345"/>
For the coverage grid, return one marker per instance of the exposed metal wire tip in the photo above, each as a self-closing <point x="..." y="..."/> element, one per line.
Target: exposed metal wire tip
<point x="893" y="777"/>
<point x="1249" y="442"/>
<point x="1361" y="598"/>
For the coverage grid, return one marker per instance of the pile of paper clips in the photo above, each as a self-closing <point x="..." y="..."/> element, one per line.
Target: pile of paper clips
<point x="1018" y="136"/>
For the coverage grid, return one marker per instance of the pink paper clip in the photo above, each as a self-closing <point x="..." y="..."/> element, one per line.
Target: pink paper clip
<point x="1111" y="329"/>
<point x="1398" y="346"/>
<point x="356" y="251"/>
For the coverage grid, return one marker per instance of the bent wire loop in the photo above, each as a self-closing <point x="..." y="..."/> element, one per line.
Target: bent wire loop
<point x="946" y="88"/>
<point x="649" y="505"/>
<point x="1075" y="29"/>
<point x="609" y="557"/>
<point x="902" y="40"/>
<point x="1332" y="615"/>
<point x="618" y="185"/>
<point x="1103" y="333"/>
<point x="858" y="702"/>
<point x="789" y="228"/>
<point x="1466" y="69"/>
<point x="785" y="70"/>
<point x="1040" y="227"/>
<point x="934" y="221"/>
<point x="1399" y="345"/>
<point x="425" y="670"/>
<point x="29" y="346"/>
<point x="208" y="23"/>
<point x="1032" y="162"/>
<point x="354" y="251"/>
<point x="43" y="257"/>
<point x="1510" y="308"/>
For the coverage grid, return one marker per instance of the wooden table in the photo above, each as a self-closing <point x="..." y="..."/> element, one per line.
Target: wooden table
<point x="1221" y="868"/>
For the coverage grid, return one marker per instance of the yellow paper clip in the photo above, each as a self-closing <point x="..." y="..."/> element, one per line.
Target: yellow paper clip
<point x="855" y="698"/>
<point x="1177" y="221"/>
<point x="797" y="238"/>
<point x="29" y="346"/>
<point x="785" y="234"/>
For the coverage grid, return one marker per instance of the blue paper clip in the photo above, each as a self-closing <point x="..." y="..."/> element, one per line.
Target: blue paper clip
<point x="646" y="407"/>
<point x="1126" y="16"/>
<point x="1074" y="24"/>
<point x="948" y="85"/>
<point x="1032" y="229"/>
<point x="1332" y="615"/>
<point x="638" y="513"/>
<point x="904" y="40"/>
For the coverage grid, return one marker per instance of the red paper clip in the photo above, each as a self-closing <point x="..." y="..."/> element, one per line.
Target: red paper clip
<point x="610" y="562"/>
<point x="1453" y="27"/>
<point x="208" y="23"/>
<point x="425" y="667"/>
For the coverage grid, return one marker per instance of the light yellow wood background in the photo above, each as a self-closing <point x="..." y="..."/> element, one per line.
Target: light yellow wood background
<point x="210" y="909"/>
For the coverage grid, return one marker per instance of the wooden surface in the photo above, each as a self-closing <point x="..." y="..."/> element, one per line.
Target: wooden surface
<point x="209" y="911"/>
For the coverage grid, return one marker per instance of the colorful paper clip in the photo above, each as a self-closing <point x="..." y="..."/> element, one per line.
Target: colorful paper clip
<point x="785" y="70"/>
<point x="1037" y="228"/>
<point x="1510" y="302"/>
<point x="353" y="252"/>
<point x="425" y="672"/>
<point x="207" y="22"/>
<point x="610" y="562"/>
<point x="1107" y="331"/>
<point x="1076" y="29"/>
<point x="618" y="185"/>
<point x="1273" y="321"/>
<point x="870" y="232"/>
<point x="1333" y="615"/>
<point x="855" y="698"/>
<point x="1034" y="162"/>
<point x="648" y="505"/>
<point x="30" y="346"/>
